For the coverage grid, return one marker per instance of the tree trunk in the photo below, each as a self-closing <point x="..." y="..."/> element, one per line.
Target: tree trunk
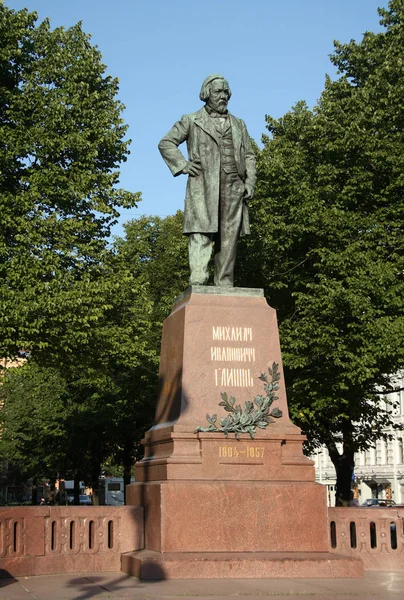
<point x="95" y="484"/>
<point x="34" y="493"/>
<point x="96" y="493"/>
<point x="128" y="458"/>
<point x="76" y="489"/>
<point x="127" y="472"/>
<point x="344" y="468"/>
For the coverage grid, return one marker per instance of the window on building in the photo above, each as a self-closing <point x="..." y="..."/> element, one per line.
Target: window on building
<point x="379" y="456"/>
<point x="400" y="458"/>
<point x="114" y="487"/>
<point x="390" y="457"/>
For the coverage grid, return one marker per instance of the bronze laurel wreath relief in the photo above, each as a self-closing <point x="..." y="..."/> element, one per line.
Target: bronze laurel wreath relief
<point x="255" y="414"/>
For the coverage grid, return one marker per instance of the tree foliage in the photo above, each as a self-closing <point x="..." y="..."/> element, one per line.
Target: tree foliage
<point x="157" y="249"/>
<point x="101" y="398"/>
<point x="66" y="295"/>
<point x="69" y="417"/>
<point x="328" y="244"/>
<point x="34" y="401"/>
<point x="61" y="142"/>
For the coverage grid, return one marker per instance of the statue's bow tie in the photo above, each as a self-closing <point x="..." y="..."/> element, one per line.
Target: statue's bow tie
<point x="218" y="115"/>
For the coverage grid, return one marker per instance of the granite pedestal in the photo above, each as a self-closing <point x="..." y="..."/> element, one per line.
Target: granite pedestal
<point x="218" y="506"/>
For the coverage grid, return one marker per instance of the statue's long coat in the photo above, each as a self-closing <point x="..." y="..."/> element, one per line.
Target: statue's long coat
<point x="202" y="196"/>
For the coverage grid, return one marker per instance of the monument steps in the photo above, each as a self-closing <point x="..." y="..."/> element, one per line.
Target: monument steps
<point x="151" y="565"/>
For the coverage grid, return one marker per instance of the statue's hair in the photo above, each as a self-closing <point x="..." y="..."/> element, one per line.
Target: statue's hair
<point x="205" y="89"/>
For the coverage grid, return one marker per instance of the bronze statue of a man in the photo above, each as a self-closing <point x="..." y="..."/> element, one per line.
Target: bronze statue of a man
<point x="222" y="176"/>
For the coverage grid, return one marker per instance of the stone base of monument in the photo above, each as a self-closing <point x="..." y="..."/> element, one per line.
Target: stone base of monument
<point x="218" y="506"/>
<point x="235" y="529"/>
<point x="233" y="516"/>
<point x="150" y="565"/>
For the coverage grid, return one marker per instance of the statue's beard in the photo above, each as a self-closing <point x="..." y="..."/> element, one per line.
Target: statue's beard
<point x="219" y="107"/>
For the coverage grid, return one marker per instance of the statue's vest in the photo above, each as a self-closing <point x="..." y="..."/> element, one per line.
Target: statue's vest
<point x="226" y="148"/>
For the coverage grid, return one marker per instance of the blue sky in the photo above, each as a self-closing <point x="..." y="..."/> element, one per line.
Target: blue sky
<point x="273" y="54"/>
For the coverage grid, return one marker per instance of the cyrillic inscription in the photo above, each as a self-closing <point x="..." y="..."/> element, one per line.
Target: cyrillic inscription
<point x="232" y="354"/>
<point x="233" y="377"/>
<point x="232" y="334"/>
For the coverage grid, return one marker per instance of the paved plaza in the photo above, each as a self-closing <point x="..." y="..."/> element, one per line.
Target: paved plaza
<point x="373" y="586"/>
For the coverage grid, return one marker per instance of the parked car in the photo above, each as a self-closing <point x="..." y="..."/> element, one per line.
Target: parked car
<point x="378" y="503"/>
<point x="86" y="500"/>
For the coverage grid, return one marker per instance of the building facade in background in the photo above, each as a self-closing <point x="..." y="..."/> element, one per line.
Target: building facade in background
<point x="379" y="472"/>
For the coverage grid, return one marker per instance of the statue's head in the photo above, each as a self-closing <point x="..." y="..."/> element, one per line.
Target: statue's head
<point x="216" y="92"/>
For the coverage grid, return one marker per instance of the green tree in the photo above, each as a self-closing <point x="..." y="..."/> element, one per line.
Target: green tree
<point x="118" y="378"/>
<point x="61" y="142"/>
<point x="156" y="249"/>
<point x="96" y="402"/>
<point x="35" y="410"/>
<point x="83" y="309"/>
<point x="53" y="428"/>
<point x="328" y="245"/>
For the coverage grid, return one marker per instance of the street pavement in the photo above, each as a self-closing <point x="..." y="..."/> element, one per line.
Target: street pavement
<point x="374" y="586"/>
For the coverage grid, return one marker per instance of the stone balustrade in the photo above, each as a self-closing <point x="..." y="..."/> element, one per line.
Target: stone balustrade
<point x="376" y="535"/>
<point x="45" y="540"/>
<point x="42" y="540"/>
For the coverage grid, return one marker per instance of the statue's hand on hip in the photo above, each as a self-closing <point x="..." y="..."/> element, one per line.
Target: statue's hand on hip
<point x="248" y="192"/>
<point x="192" y="168"/>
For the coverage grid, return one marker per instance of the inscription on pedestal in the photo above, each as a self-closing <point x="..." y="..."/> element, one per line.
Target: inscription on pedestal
<point x="236" y="455"/>
<point x="232" y="376"/>
<point x="248" y="452"/>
